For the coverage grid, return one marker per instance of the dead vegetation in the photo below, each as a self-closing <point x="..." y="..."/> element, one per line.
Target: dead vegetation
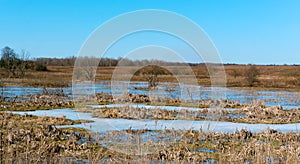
<point x="35" y="140"/>
<point x="249" y="114"/>
<point x="268" y="115"/>
<point x="267" y="77"/>
<point x="36" y="102"/>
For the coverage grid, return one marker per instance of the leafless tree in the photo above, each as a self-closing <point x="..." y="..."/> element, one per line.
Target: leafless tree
<point x="150" y="73"/>
<point x="251" y="75"/>
<point x="14" y="64"/>
<point x="22" y="64"/>
<point x="86" y="68"/>
<point x="9" y="61"/>
<point x="235" y="73"/>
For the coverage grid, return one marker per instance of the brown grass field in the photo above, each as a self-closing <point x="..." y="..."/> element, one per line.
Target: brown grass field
<point x="269" y="77"/>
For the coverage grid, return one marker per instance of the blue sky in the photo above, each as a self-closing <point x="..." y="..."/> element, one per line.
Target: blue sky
<point x="244" y="31"/>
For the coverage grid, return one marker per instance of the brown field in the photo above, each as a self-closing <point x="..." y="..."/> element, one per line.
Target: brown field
<point x="269" y="77"/>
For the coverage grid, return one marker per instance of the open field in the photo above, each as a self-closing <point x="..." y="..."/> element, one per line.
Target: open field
<point x="270" y="77"/>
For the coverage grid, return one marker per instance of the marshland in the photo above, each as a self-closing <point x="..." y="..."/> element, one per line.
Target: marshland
<point x="170" y="122"/>
<point x="156" y="115"/>
<point x="121" y="81"/>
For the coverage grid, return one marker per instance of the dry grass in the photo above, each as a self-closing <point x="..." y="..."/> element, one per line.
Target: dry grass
<point x="32" y="140"/>
<point x="36" y="102"/>
<point x="248" y="114"/>
<point x="282" y="77"/>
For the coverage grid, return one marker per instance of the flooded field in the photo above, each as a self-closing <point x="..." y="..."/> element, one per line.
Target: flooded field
<point x="287" y="99"/>
<point x="171" y="123"/>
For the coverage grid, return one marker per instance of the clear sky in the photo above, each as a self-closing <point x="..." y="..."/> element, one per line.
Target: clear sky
<point x="244" y="31"/>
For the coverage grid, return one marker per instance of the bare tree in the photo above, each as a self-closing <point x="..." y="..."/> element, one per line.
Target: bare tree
<point x="86" y="68"/>
<point x="151" y="73"/>
<point x="151" y="78"/>
<point x="235" y="73"/>
<point x="9" y="60"/>
<point x="14" y="64"/>
<point x="22" y="64"/>
<point x="251" y="75"/>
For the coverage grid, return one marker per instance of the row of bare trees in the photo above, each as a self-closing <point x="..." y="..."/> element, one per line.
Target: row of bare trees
<point x="14" y="64"/>
<point x="104" y="62"/>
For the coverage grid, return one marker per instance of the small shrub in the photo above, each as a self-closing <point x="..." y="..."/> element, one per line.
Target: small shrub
<point x="40" y="67"/>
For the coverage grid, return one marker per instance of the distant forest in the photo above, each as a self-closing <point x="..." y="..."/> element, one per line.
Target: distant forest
<point x="10" y="58"/>
<point x="69" y="61"/>
<point x="18" y="62"/>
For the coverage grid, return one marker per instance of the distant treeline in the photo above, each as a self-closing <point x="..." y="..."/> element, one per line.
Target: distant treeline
<point x="18" y="62"/>
<point x="70" y="61"/>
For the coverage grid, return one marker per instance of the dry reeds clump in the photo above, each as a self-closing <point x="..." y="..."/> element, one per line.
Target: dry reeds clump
<point x="191" y="146"/>
<point x="273" y="115"/>
<point x="34" y="139"/>
<point x="37" y="102"/>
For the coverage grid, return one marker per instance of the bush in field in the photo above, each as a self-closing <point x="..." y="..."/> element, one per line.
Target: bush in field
<point x="251" y="75"/>
<point x="40" y="67"/>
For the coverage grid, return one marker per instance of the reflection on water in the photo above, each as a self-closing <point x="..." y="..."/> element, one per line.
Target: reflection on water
<point x="286" y="99"/>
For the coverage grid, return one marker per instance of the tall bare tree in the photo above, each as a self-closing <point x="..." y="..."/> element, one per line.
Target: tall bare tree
<point x="14" y="64"/>
<point x="22" y="64"/>
<point x="9" y="60"/>
<point x="251" y="75"/>
<point x="86" y="68"/>
<point x="151" y="72"/>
